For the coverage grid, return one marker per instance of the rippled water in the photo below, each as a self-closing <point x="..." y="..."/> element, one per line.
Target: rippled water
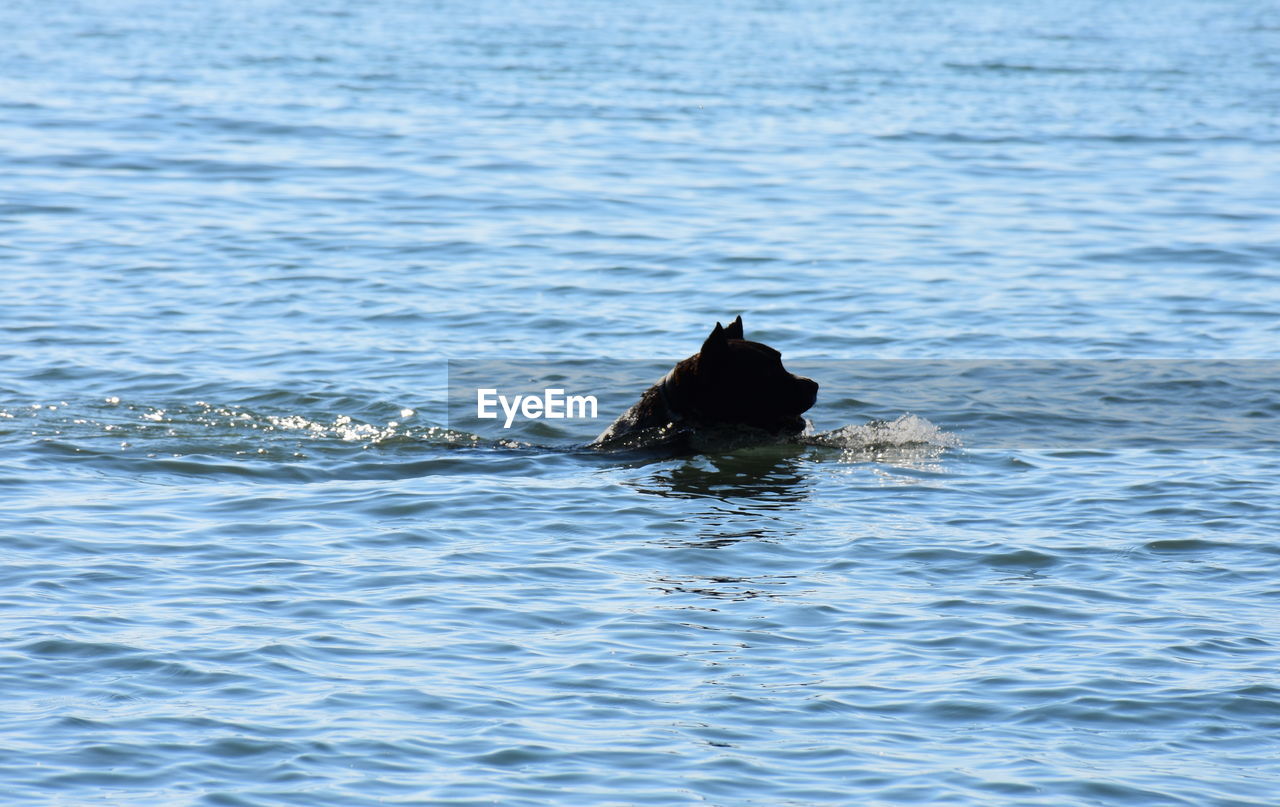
<point x="1027" y="557"/>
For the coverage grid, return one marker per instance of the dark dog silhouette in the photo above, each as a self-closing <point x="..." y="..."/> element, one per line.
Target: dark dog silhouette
<point x="732" y="388"/>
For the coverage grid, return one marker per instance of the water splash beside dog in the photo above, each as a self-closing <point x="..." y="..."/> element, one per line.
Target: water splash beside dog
<point x="907" y="431"/>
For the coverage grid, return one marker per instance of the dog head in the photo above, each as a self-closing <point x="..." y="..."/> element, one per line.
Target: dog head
<point x="736" y="382"/>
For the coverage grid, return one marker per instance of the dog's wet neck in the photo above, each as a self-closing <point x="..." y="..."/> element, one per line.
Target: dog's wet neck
<point x="673" y="402"/>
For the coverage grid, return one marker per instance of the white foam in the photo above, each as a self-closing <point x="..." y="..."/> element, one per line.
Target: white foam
<point x="903" y="432"/>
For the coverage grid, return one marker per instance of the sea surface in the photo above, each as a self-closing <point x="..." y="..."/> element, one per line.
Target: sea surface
<point x="253" y="554"/>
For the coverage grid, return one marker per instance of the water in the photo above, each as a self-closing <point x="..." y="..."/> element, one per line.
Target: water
<point x="251" y="561"/>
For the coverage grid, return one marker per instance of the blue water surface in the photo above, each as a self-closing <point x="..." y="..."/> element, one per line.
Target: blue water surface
<point x="249" y="559"/>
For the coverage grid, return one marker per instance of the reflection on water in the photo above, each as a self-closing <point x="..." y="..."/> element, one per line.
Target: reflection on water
<point x="725" y="588"/>
<point x="737" y="497"/>
<point x="768" y="476"/>
<point x="752" y="495"/>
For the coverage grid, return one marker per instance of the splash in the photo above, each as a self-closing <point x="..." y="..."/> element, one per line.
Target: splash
<point x="181" y="429"/>
<point x="906" y="438"/>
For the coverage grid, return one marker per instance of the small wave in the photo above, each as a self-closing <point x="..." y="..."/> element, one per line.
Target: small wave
<point x="908" y="441"/>
<point x="213" y="430"/>
<point x="1019" y="67"/>
<point x="905" y="431"/>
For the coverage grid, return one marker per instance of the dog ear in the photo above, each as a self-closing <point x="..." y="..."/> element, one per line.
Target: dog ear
<point x="717" y="343"/>
<point x="734" y="331"/>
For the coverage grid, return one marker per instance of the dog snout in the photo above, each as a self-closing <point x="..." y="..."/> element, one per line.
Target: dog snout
<point x="808" y="389"/>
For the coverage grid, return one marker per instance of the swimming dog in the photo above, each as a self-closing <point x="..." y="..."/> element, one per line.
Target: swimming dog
<point x="732" y="388"/>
